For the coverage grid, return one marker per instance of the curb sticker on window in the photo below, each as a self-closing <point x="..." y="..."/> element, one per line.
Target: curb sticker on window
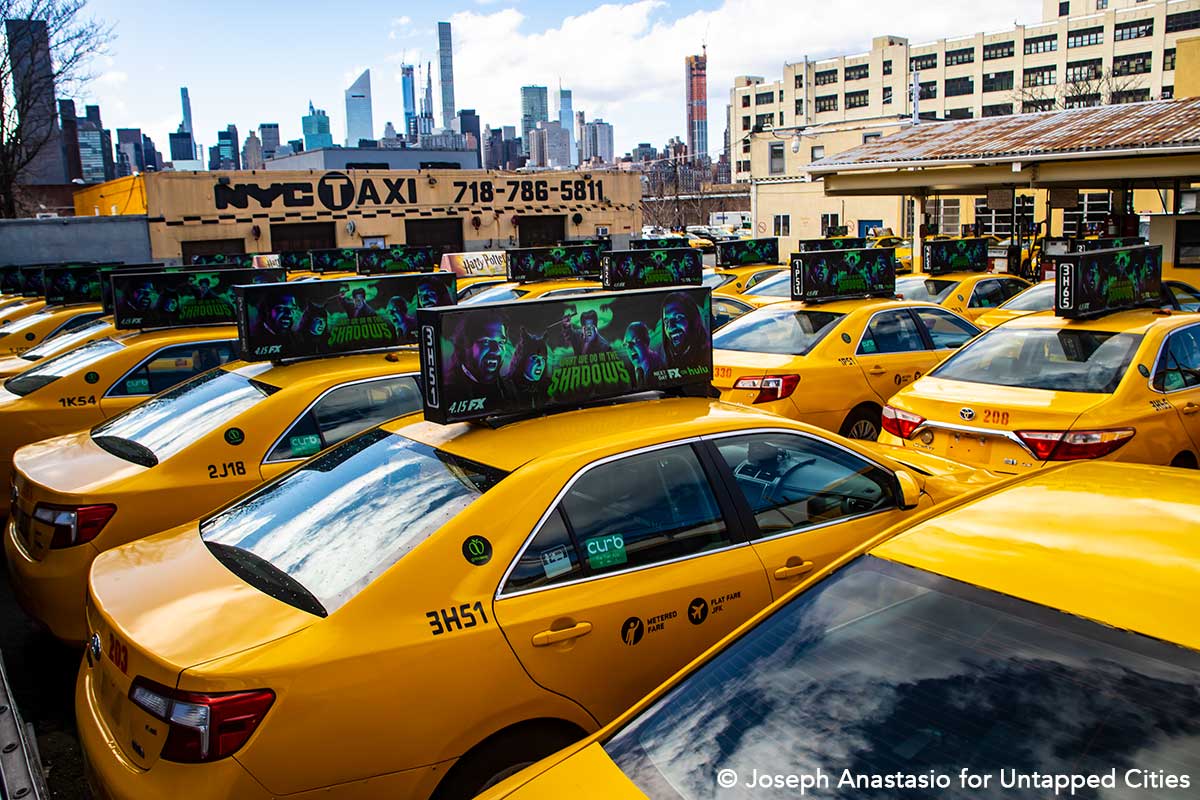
<point x="868" y="346"/>
<point x="305" y="445"/>
<point x="137" y="385"/>
<point x="605" y="551"/>
<point x="556" y="561"/>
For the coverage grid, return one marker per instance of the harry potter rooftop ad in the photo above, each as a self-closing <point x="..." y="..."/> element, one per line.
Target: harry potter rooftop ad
<point x="181" y="299"/>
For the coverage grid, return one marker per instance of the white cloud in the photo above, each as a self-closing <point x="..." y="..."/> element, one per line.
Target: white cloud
<point x="400" y="22"/>
<point x="624" y="61"/>
<point x="113" y="77"/>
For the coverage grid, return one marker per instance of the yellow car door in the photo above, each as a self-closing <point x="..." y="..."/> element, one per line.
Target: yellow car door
<point x="946" y="331"/>
<point x="811" y="501"/>
<point x="1178" y="379"/>
<point x="892" y="353"/>
<point x="991" y="293"/>
<point x="636" y="569"/>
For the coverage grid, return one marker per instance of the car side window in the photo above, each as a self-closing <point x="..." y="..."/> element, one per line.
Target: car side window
<point x="724" y="311"/>
<point x="1180" y="364"/>
<point x="944" y="328"/>
<point x="344" y="412"/>
<point x="642" y="510"/>
<point x="793" y="482"/>
<point x="1186" y="300"/>
<point x="1012" y="287"/>
<point x="891" y="332"/>
<point x="987" y="294"/>
<point x="551" y="558"/>
<point x="759" y="277"/>
<point x="172" y="365"/>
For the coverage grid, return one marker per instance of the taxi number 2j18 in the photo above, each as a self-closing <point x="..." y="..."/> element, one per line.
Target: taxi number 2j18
<point x="227" y="470"/>
<point x="448" y="620"/>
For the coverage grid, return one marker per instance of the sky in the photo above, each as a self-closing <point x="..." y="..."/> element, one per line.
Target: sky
<point x="249" y="63"/>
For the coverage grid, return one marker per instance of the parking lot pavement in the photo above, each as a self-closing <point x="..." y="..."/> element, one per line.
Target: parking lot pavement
<point x="42" y="672"/>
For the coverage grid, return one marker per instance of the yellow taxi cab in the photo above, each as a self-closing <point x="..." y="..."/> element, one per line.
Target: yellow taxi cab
<point x="774" y="288"/>
<point x="61" y="342"/>
<point x="735" y="281"/>
<point x="471" y="285"/>
<point x="21" y="309"/>
<point x="474" y="596"/>
<point x="833" y="364"/>
<point x="513" y="290"/>
<point x="1036" y="636"/>
<point x="1176" y="295"/>
<point x="23" y="334"/>
<point x="970" y="294"/>
<point x="903" y="249"/>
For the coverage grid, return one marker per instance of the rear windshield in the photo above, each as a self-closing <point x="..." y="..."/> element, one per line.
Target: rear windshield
<point x="715" y="280"/>
<point x="1036" y="298"/>
<point x="25" y="323"/>
<point x="928" y="290"/>
<point x="1038" y="358"/>
<point x="338" y="521"/>
<point x="884" y="669"/>
<point x="776" y="330"/>
<point x="49" y="370"/>
<point x="775" y="286"/>
<point x="62" y="342"/>
<point x="495" y="294"/>
<point x="169" y="422"/>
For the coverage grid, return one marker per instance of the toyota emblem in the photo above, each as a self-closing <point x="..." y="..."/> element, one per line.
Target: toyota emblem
<point x="967" y="414"/>
<point x="94" y="649"/>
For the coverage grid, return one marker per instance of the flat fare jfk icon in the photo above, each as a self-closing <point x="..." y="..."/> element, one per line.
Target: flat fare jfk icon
<point x="336" y="191"/>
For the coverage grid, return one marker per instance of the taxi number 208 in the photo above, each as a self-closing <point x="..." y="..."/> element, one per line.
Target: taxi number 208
<point x="991" y="417"/>
<point x="447" y="620"/>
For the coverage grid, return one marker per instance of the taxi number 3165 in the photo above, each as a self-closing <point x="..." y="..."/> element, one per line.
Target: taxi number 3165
<point x="447" y="620"/>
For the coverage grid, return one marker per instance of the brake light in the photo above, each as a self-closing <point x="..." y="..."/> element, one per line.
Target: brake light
<point x="1074" y="445"/>
<point x="900" y="423"/>
<point x="770" y="387"/>
<point x="73" y="525"/>
<point x="202" y="727"/>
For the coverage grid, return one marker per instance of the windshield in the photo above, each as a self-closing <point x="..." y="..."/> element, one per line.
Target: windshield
<point x="169" y="422"/>
<point x="62" y="342"/>
<point x="715" y="280"/>
<point x="929" y="290"/>
<point x="775" y="286"/>
<point x="1039" y="358"/>
<point x="1035" y="298"/>
<point x="884" y="669"/>
<point x="495" y="294"/>
<point x="338" y="521"/>
<point x="51" y="369"/>
<point x="776" y="330"/>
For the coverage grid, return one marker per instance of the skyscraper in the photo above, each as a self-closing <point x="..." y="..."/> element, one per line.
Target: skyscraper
<point x="268" y="132"/>
<point x="408" y="90"/>
<point x="316" y="129"/>
<point x="446" y="75"/>
<point x="226" y="153"/>
<point x="468" y="123"/>
<point x="181" y="146"/>
<point x="252" y="152"/>
<point x="696" y="84"/>
<point x="150" y="157"/>
<point x="493" y="147"/>
<point x="186" y="127"/>
<point x="95" y="148"/>
<point x="549" y="145"/>
<point x="129" y="152"/>
<point x="359" y="124"/>
<point x="566" y="118"/>
<point x="70" y="139"/>
<point x="533" y="111"/>
<point x="598" y="142"/>
<point x="424" y="124"/>
<point x="33" y="84"/>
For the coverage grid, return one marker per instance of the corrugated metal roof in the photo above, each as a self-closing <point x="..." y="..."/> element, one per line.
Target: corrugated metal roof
<point x="1162" y="124"/>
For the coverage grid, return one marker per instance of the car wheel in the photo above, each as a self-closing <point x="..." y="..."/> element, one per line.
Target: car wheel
<point x="863" y="422"/>
<point x="504" y="755"/>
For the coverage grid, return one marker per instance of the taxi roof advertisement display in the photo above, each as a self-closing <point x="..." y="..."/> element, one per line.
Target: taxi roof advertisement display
<point x="1100" y="281"/>
<point x="106" y="295"/>
<point x="295" y="260"/>
<point x="31" y="280"/>
<point x="224" y="259"/>
<point x="10" y="279"/>
<point x="740" y="252"/>
<point x="181" y="299"/>
<point x="956" y="255"/>
<point x="397" y="258"/>
<point x="529" y="264"/>
<point x="835" y="274"/>
<point x="348" y="315"/>
<point x="504" y="359"/>
<point x="66" y="285"/>
<point x="648" y="269"/>
<point x="662" y="243"/>
<point x="483" y="262"/>
<point x="340" y="259"/>
<point x="1084" y="245"/>
<point x="834" y="243"/>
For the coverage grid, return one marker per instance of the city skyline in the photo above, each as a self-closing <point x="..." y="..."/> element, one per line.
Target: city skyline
<point x="638" y="89"/>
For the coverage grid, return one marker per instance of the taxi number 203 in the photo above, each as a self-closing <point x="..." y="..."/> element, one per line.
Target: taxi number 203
<point x="528" y="190"/>
<point x="456" y="618"/>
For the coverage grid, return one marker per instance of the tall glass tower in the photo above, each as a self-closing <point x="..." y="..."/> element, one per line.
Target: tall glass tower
<point x="358" y="110"/>
<point x="409" y="90"/>
<point x="446" y="74"/>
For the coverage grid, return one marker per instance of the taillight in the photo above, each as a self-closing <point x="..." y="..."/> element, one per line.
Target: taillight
<point x="900" y="423"/>
<point x="770" y="387"/>
<point x="202" y="727"/>
<point x="1074" y="445"/>
<point x="73" y="525"/>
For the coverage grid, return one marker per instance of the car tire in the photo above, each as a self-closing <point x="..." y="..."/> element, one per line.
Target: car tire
<point x="864" y="422"/>
<point x="503" y="755"/>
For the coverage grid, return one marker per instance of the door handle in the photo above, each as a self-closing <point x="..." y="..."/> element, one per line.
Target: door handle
<point x="1189" y="408"/>
<point x="876" y="370"/>
<point x="783" y="573"/>
<point x="546" y="638"/>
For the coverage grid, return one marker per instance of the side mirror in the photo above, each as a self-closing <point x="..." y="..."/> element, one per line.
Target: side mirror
<point x="910" y="490"/>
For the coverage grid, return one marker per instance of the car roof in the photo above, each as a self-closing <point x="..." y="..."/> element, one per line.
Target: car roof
<point x="328" y="369"/>
<point x="630" y="423"/>
<point x="541" y="287"/>
<point x="1116" y="543"/>
<point x="1137" y="320"/>
<point x="866" y="304"/>
<point x="155" y="336"/>
<point x="957" y="276"/>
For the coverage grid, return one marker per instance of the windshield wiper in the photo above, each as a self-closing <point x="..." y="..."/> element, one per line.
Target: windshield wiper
<point x="266" y="577"/>
<point x="127" y="449"/>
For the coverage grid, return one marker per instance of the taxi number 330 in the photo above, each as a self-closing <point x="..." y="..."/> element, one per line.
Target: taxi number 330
<point x="227" y="470"/>
<point x="447" y="620"/>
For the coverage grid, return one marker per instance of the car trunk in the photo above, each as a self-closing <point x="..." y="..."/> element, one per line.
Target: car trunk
<point x="730" y="365"/>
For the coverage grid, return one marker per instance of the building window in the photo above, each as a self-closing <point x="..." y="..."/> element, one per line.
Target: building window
<point x="1040" y="76"/>
<point x="1091" y="210"/>
<point x="1168" y="93"/>
<point x="1085" y="37"/>
<point x="826" y="77"/>
<point x="926" y="115"/>
<point x="1183" y="21"/>
<point x="762" y="98"/>
<point x="746" y="147"/>
<point x="1000" y="223"/>
<point x="867" y="137"/>
<point x="998" y="50"/>
<point x="999" y="110"/>
<point x="745" y="123"/>
<point x="817" y="152"/>
<point x="1130" y="96"/>
<point x="783" y="225"/>
<point x="858" y="72"/>
<point x="827" y="102"/>
<point x="956" y="87"/>
<point x="943" y="215"/>
<point x="928" y="61"/>
<point x="1084" y="70"/>
<point x="745" y="101"/>
<point x="1134" y="29"/>
<point x="1082" y="101"/>
<point x="959" y="113"/>
<point x="1101" y="5"/>
<point x="1132" y="64"/>
<point x="829" y="222"/>
<point x="763" y="120"/>
<point x="775" y="165"/>
<point x="1169" y="59"/>
<point x="998" y="81"/>
<point x="743" y="166"/>
<point x="1064" y="8"/>
<point x="928" y="90"/>
<point x="887" y="95"/>
<point x="1034" y="106"/>
<point x="858" y="99"/>
<point x="887" y="67"/>
<point x="964" y="56"/>
<point x="799" y="107"/>
<point x="1041" y="44"/>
